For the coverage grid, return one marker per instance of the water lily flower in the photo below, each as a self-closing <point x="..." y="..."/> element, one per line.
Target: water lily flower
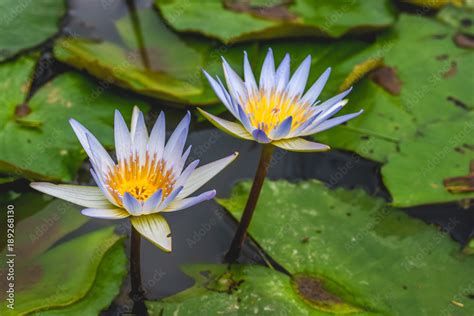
<point x="277" y="110"/>
<point x="147" y="180"/>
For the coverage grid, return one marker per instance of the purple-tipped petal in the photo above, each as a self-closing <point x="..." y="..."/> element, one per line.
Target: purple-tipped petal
<point x="250" y="83"/>
<point x="151" y="204"/>
<point x="267" y="76"/>
<point x="123" y="143"/>
<point x="298" y="81"/>
<point x="188" y="202"/>
<point x="170" y="198"/>
<point x="220" y="92"/>
<point x="313" y="93"/>
<point x="131" y="204"/>
<point x="331" y="123"/>
<point x="282" y="76"/>
<point x="282" y="129"/>
<point x="260" y="136"/>
<point x="156" y="142"/>
<point x="244" y="119"/>
<point x="234" y="82"/>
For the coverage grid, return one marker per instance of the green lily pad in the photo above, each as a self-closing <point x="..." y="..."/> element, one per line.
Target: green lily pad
<point x="27" y="24"/>
<point x="397" y="264"/>
<point x="176" y="62"/>
<point x="110" y="274"/>
<point x="403" y="101"/>
<point x="238" y="290"/>
<point x="41" y="221"/>
<point x="460" y="18"/>
<point x="232" y="21"/>
<point x="36" y="139"/>
<point x="49" y="280"/>
<point x="429" y="158"/>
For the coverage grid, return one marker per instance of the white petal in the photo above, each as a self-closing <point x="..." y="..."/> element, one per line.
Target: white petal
<point x="86" y="196"/>
<point x="244" y="119"/>
<point x="313" y="93"/>
<point x="300" y="145"/>
<point x="177" y="205"/>
<point x="220" y="92"/>
<point x="231" y="128"/>
<point x="154" y="228"/>
<point x="332" y="101"/>
<point x="170" y="198"/>
<point x="298" y="81"/>
<point x="177" y="139"/>
<point x="205" y="173"/>
<point x="234" y="83"/>
<point x="101" y="160"/>
<point x="115" y="213"/>
<point x="123" y="143"/>
<point x="178" y="165"/>
<point x="283" y="74"/>
<point x="81" y="133"/>
<point x="250" y="83"/>
<point x="331" y="123"/>
<point x="328" y="113"/>
<point x="282" y="129"/>
<point x="99" y="180"/>
<point x="133" y="125"/>
<point x="267" y="76"/>
<point x="131" y="204"/>
<point x="186" y="173"/>
<point x="156" y="143"/>
<point x="151" y="204"/>
<point x="139" y="136"/>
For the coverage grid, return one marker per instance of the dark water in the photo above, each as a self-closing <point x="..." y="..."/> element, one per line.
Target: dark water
<point x="203" y="233"/>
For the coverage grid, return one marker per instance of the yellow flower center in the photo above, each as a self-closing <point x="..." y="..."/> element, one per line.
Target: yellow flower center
<point x="266" y="111"/>
<point x="140" y="181"/>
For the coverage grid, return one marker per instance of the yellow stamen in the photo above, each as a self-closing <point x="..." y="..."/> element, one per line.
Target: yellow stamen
<point x="140" y="181"/>
<point x="266" y="111"/>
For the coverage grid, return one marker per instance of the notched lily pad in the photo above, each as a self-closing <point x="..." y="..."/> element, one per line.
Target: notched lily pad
<point x="234" y="21"/>
<point x="26" y="24"/>
<point x="36" y="138"/>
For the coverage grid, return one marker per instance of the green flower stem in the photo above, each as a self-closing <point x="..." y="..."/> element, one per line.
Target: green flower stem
<point x="237" y="242"/>
<point x="136" y="294"/>
<point x="138" y="33"/>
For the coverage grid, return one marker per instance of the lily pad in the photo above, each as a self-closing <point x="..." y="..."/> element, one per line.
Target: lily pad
<point x="40" y="222"/>
<point x="110" y="274"/>
<point x="175" y="62"/>
<point x="402" y="101"/>
<point x="439" y="156"/>
<point x="238" y="290"/>
<point x="36" y="139"/>
<point x="49" y="280"/>
<point x="232" y="21"/>
<point x="26" y="24"/>
<point x="397" y="264"/>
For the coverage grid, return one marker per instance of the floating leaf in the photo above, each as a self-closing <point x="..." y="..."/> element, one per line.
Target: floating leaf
<point x="389" y="262"/>
<point x="240" y="290"/>
<point x="232" y="21"/>
<point x="110" y="274"/>
<point x="176" y="62"/>
<point x="50" y="280"/>
<point x="26" y="24"/>
<point x="40" y="222"/>
<point x="440" y="151"/>
<point x="401" y="105"/>
<point x="40" y="144"/>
